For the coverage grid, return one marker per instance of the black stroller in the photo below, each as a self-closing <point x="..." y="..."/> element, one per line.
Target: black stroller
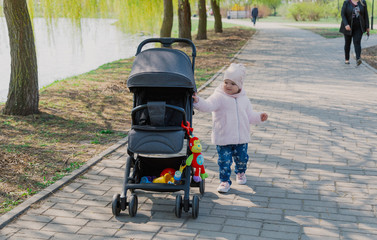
<point x="162" y="81"/>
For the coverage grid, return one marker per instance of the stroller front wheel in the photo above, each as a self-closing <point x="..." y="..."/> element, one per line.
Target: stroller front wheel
<point x="116" y="205"/>
<point x="132" y="207"/>
<point x="195" y="207"/>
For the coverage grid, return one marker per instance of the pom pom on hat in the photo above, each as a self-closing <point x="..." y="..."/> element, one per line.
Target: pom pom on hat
<point x="236" y="73"/>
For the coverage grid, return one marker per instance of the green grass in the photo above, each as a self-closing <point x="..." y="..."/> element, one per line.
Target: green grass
<point x="331" y="32"/>
<point x="59" y="175"/>
<point x="280" y="19"/>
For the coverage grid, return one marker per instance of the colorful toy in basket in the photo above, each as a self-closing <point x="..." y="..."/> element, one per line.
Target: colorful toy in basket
<point x="196" y="159"/>
<point x="166" y="178"/>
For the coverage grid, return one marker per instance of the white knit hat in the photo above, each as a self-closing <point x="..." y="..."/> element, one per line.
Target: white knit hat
<point x="236" y="73"/>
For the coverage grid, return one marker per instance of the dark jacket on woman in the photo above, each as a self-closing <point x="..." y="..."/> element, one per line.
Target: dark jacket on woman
<point x="347" y="16"/>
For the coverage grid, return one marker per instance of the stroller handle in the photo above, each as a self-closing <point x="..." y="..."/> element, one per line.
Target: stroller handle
<point x="143" y="106"/>
<point x="167" y="42"/>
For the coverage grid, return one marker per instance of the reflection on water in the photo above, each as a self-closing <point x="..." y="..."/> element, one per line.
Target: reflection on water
<point x="64" y="50"/>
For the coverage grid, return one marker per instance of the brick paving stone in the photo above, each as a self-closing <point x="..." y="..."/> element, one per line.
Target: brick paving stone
<point x="216" y="235"/>
<point x="69" y="221"/>
<point x="127" y="234"/>
<point x="279" y="235"/>
<point x="321" y="231"/>
<point x="29" y="224"/>
<point x="108" y="232"/>
<point x="243" y="230"/>
<point x="178" y="232"/>
<point x="27" y="234"/>
<point x="163" y="236"/>
<point x="65" y="236"/>
<point x="37" y="218"/>
<point x="51" y="227"/>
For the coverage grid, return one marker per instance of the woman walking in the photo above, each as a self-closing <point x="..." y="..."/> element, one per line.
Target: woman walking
<point x="355" y="22"/>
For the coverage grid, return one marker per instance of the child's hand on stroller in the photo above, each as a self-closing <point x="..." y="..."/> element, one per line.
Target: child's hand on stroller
<point x="195" y="97"/>
<point x="263" y="117"/>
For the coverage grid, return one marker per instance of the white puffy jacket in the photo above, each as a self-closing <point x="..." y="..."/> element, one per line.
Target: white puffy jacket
<point x="231" y="116"/>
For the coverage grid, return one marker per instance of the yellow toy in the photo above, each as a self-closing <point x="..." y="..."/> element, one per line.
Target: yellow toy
<point x="167" y="178"/>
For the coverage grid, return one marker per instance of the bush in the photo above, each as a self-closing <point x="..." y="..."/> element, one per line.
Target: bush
<point x="283" y="10"/>
<point x="263" y="11"/>
<point x="304" y="11"/>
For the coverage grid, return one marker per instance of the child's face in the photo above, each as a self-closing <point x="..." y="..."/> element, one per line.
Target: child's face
<point x="230" y="87"/>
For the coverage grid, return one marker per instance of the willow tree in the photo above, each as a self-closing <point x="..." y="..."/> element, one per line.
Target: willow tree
<point x="202" y="28"/>
<point x="215" y="4"/>
<point x="184" y="19"/>
<point x="133" y="16"/>
<point x="23" y="95"/>
<point x="167" y="22"/>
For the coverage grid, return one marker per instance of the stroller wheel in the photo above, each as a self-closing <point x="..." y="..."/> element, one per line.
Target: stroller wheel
<point x="132" y="207"/>
<point x="195" y="207"/>
<point x="116" y="205"/>
<point x="178" y="206"/>
<point x="202" y="186"/>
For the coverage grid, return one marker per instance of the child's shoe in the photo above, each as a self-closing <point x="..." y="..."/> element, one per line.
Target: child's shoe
<point x="223" y="187"/>
<point x="241" y="178"/>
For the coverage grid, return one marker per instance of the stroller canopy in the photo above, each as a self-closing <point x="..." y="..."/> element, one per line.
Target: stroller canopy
<point x="162" y="67"/>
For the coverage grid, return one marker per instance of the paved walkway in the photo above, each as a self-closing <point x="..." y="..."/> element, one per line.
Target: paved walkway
<point x="312" y="173"/>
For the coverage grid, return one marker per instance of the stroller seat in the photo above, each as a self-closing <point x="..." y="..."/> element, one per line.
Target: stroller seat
<point x="158" y="134"/>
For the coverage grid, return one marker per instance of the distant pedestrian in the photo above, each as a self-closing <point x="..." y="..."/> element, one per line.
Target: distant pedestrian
<point x="355" y="22"/>
<point x="254" y="14"/>
<point x="232" y="114"/>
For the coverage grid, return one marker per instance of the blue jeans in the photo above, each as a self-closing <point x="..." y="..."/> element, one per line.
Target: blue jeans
<point x="228" y="153"/>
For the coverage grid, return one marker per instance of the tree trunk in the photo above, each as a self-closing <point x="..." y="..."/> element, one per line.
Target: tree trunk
<point x="23" y="95"/>
<point x="215" y="4"/>
<point x="167" y="23"/>
<point x="184" y="17"/>
<point x="202" y="28"/>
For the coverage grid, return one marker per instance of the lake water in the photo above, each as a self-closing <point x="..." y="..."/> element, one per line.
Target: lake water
<point x="64" y="50"/>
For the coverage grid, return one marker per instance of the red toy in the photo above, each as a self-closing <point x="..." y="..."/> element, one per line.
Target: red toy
<point x="171" y="171"/>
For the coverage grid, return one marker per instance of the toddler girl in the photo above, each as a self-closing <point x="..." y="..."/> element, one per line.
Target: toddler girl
<point x="232" y="114"/>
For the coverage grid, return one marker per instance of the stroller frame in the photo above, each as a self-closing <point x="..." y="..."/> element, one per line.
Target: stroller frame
<point x="137" y="164"/>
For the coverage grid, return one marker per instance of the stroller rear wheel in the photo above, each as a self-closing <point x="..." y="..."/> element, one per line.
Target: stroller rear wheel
<point x="178" y="206"/>
<point x="116" y="205"/>
<point x="132" y="206"/>
<point x="195" y="207"/>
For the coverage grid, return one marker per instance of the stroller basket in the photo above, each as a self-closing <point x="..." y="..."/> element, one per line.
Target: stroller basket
<point x="152" y="167"/>
<point x="162" y="81"/>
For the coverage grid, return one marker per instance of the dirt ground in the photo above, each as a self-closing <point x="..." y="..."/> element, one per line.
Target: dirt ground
<point x="82" y="116"/>
<point x="369" y="55"/>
